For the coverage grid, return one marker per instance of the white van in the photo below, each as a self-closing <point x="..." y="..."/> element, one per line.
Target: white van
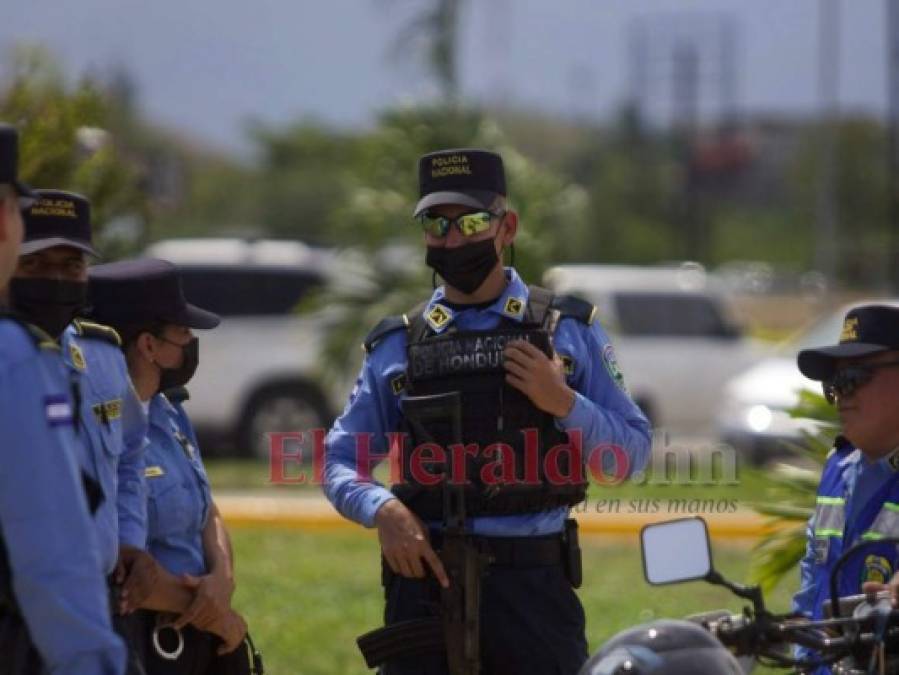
<point x="259" y="370"/>
<point x="675" y="338"/>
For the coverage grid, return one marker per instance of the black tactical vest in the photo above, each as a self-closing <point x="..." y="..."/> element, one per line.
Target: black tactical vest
<point x="510" y="442"/>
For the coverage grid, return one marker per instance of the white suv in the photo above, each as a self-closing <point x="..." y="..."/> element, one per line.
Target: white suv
<point x="259" y="370"/>
<point x="673" y="334"/>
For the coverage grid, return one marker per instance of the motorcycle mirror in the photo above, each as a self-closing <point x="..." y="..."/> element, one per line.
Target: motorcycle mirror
<point x="676" y="551"/>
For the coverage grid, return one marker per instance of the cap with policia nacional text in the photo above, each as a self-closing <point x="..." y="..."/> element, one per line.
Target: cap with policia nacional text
<point x="869" y="329"/>
<point x="57" y="218"/>
<point x="141" y="291"/>
<point x="468" y="177"/>
<point x="9" y="164"/>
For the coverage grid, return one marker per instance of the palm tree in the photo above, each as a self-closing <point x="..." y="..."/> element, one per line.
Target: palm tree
<point x="793" y="491"/>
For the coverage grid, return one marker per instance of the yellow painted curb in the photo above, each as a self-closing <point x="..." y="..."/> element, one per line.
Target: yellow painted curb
<point x="316" y="514"/>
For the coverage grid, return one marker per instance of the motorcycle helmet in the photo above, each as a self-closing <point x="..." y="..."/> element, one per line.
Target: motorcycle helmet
<point x="664" y="647"/>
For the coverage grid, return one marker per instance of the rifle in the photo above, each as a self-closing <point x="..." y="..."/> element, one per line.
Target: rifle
<point x="458" y="628"/>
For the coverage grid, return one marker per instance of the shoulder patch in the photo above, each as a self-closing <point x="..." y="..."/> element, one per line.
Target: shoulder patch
<point x="570" y="305"/>
<point x="90" y="329"/>
<point x="611" y="363"/>
<point x="385" y="326"/>
<point x="77" y="356"/>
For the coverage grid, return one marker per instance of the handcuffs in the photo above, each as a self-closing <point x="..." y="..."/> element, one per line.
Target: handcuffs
<point x="157" y="645"/>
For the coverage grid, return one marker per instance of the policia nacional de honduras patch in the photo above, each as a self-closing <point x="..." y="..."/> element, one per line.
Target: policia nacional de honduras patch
<point x="611" y="363"/>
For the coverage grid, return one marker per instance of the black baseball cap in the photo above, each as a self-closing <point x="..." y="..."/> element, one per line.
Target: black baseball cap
<point x="9" y="164"/>
<point x="869" y="329"/>
<point x="57" y="218"/>
<point x="464" y="176"/>
<point x="143" y="290"/>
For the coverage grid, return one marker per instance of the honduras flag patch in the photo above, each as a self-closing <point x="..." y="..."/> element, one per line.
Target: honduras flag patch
<point x="58" y="410"/>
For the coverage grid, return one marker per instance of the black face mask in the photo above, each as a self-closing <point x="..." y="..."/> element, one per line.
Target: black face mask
<point x="464" y="267"/>
<point x="170" y="378"/>
<point x="50" y="304"/>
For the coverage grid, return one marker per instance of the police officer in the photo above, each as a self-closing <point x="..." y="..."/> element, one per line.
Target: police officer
<point x="144" y="301"/>
<point x="858" y="496"/>
<point x="522" y="359"/>
<point x="53" y="603"/>
<point x="50" y="289"/>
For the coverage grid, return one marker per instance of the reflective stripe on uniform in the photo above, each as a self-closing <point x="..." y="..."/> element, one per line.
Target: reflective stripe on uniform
<point x="830" y="516"/>
<point x="886" y="524"/>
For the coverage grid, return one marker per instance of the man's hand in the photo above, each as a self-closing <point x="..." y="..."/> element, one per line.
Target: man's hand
<point x="230" y="627"/>
<point x="212" y="599"/>
<point x="538" y="377"/>
<point x="138" y="573"/>
<point x="404" y="542"/>
<point x="872" y="588"/>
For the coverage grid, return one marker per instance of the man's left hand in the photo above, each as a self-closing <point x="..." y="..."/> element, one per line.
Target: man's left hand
<point x="212" y="599"/>
<point x="538" y="377"/>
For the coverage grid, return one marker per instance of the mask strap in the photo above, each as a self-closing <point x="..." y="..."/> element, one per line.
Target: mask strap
<point x="434" y="279"/>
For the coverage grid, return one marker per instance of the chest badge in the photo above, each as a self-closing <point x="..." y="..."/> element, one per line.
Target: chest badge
<point x="154" y="472"/>
<point x="878" y="569"/>
<point x="438" y="317"/>
<point x="77" y="356"/>
<point x="185" y="444"/>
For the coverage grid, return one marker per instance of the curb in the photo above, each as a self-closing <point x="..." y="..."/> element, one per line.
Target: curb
<point x="317" y="515"/>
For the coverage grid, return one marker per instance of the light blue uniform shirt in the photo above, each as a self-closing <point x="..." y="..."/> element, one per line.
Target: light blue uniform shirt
<point x="50" y="542"/>
<point x="602" y="410"/>
<point x="179" y="496"/>
<point x="112" y="436"/>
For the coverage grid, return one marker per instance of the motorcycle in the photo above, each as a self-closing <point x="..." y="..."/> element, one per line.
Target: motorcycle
<point x="858" y="636"/>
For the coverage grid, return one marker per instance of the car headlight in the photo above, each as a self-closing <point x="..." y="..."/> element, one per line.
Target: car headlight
<point x="759" y="418"/>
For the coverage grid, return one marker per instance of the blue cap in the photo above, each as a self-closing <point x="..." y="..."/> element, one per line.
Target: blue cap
<point x="142" y="291"/>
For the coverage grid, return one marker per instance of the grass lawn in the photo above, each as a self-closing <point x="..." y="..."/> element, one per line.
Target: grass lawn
<point x="306" y="596"/>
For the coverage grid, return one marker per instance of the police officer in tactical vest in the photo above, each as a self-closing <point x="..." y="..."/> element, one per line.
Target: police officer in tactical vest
<point x="858" y="496"/>
<point x="532" y="383"/>
<point x="54" y="611"/>
<point x="49" y="287"/>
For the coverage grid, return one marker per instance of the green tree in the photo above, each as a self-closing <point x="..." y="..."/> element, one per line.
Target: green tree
<point x="66" y="141"/>
<point x="792" y="497"/>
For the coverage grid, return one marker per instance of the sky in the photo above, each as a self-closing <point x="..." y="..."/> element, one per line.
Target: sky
<point x="207" y="67"/>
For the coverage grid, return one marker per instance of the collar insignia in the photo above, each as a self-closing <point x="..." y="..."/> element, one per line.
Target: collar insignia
<point x="438" y="317"/>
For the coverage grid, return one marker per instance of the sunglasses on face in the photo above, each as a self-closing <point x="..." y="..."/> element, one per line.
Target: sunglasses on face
<point x="468" y="224"/>
<point x="846" y="380"/>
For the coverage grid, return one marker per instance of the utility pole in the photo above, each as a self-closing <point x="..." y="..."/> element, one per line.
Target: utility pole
<point x="826" y="216"/>
<point x="891" y="275"/>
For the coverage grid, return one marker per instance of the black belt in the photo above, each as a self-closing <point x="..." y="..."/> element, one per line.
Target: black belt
<point x="541" y="551"/>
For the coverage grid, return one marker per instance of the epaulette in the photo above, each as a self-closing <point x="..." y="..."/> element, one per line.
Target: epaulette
<point x="89" y="329"/>
<point x="177" y="394"/>
<point x="385" y="326"/>
<point x="41" y="338"/>
<point x="573" y="306"/>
